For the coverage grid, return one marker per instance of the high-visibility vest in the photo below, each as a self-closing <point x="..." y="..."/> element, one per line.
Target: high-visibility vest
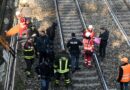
<point x="126" y="73"/>
<point x="88" y="44"/>
<point x="29" y="53"/>
<point x="63" y="65"/>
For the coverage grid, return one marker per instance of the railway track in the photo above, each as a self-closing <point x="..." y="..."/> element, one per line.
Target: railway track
<point x="71" y="20"/>
<point x="121" y="15"/>
<point x="98" y="20"/>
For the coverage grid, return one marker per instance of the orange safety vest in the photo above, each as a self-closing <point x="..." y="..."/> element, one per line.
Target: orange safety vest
<point x="126" y="73"/>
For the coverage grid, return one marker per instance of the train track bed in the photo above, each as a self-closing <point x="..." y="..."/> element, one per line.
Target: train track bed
<point x="70" y="22"/>
<point x="117" y="46"/>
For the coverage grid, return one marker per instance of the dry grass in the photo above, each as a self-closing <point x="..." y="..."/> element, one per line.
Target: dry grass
<point x="39" y="10"/>
<point x="40" y="13"/>
<point x="104" y="11"/>
<point x="44" y="25"/>
<point x="91" y="7"/>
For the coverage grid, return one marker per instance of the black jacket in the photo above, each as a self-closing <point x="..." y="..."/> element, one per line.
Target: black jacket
<point x="104" y="37"/>
<point x="44" y="70"/>
<point x="73" y="45"/>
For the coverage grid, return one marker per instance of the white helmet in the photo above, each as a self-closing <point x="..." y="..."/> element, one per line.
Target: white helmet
<point x="87" y="34"/>
<point x="90" y="27"/>
<point x="17" y="13"/>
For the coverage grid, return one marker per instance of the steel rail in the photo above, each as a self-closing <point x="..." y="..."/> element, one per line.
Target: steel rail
<point x="96" y="59"/>
<point x="81" y="16"/>
<point x="117" y="22"/>
<point x="59" y="24"/>
<point x="84" y="25"/>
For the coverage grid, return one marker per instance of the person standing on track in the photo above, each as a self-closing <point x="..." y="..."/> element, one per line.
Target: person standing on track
<point x="62" y="67"/>
<point x="104" y="35"/>
<point x="28" y="52"/>
<point x="88" y="44"/>
<point x="42" y="44"/>
<point x="124" y="74"/>
<point x="44" y="74"/>
<point x="73" y="46"/>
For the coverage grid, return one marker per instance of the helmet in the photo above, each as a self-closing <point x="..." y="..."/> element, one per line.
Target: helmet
<point x="125" y="60"/>
<point x="17" y="13"/>
<point x="90" y="27"/>
<point x="22" y="20"/>
<point x="87" y="34"/>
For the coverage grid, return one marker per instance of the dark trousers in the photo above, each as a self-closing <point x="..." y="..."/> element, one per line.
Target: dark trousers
<point x="66" y="76"/>
<point x="102" y="50"/>
<point x="42" y="56"/>
<point x="74" y="61"/>
<point x="44" y="84"/>
<point x="29" y="63"/>
<point x="123" y="86"/>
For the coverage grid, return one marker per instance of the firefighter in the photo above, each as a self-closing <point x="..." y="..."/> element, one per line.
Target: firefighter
<point x="90" y="30"/>
<point x="28" y="52"/>
<point x="88" y="44"/>
<point x="44" y="74"/>
<point x="73" y="46"/>
<point x="62" y="67"/>
<point x="124" y="74"/>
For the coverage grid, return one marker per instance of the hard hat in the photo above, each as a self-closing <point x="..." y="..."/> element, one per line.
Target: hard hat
<point x="125" y="60"/>
<point x="17" y="13"/>
<point x="90" y="26"/>
<point x="22" y="20"/>
<point x="87" y="34"/>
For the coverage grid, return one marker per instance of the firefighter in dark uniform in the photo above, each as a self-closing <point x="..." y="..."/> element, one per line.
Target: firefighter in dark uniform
<point x="62" y="67"/>
<point x="28" y="56"/>
<point x="73" y="46"/>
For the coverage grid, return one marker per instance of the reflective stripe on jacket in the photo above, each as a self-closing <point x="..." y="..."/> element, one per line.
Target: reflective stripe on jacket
<point x="126" y="73"/>
<point x="63" y="65"/>
<point x="29" y="53"/>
